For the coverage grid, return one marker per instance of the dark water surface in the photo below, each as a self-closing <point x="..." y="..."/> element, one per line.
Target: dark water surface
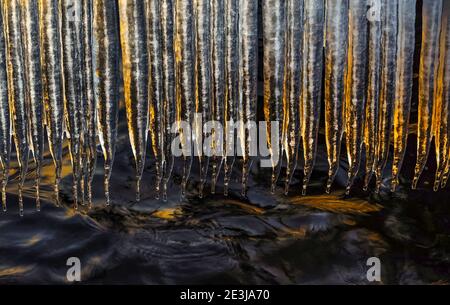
<point x="262" y="239"/>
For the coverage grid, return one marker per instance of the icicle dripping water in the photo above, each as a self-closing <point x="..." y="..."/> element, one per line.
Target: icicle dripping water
<point x="5" y="120"/>
<point x="185" y="81"/>
<point x="31" y="50"/>
<point x="312" y="83"/>
<point x="355" y="86"/>
<point x="169" y="107"/>
<point x="387" y="93"/>
<point x="336" y="32"/>
<point x="71" y="32"/>
<point x="218" y="96"/>
<point x="106" y="55"/>
<point x="442" y="113"/>
<point x="135" y="76"/>
<point x="274" y="31"/>
<point x="248" y="71"/>
<point x="90" y="134"/>
<point x="404" y="83"/>
<point x="231" y="86"/>
<point x="292" y="86"/>
<point x="431" y="24"/>
<point x="204" y="82"/>
<point x="373" y="92"/>
<point x="16" y="89"/>
<point x="157" y="130"/>
<point x="52" y="81"/>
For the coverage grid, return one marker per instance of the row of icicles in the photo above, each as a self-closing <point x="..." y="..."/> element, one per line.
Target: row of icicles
<point x="62" y="64"/>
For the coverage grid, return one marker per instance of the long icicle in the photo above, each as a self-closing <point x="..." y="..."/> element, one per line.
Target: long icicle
<point x="442" y="124"/>
<point x="335" y="72"/>
<point x="248" y="70"/>
<point x="203" y="80"/>
<point x="218" y="96"/>
<point x="185" y="80"/>
<point x="17" y="89"/>
<point x="355" y="86"/>
<point x="373" y="94"/>
<point x="52" y="81"/>
<point x="274" y="31"/>
<point x="169" y="107"/>
<point x="232" y="88"/>
<point x="106" y="55"/>
<point x="135" y="76"/>
<point x="90" y="135"/>
<point x="33" y="76"/>
<point x="312" y="83"/>
<point x="292" y="86"/>
<point x="5" y="120"/>
<point x="404" y="83"/>
<point x="155" y="90"/>
<point x="431" y="24"/>
<point x="71" y="31"/>
<point x="387" y="93"/>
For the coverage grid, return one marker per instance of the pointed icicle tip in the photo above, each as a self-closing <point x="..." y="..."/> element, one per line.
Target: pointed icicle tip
<point x="394" y="184"/>
<point x="348" y="189"/>
<point x="437" y="183"/>
<point x="444" y="182"/>
<point x="415" y="182"/>
<point x="226" y="183"/>
<point x="200" y="191"/>
<point x="329" y="184"/>
<point x="304" y="188"/>
<point x="164" y="195"/>
<point x="367" y="179"/>
<point x="286" y="188"/>
<point x="4" y="198"/>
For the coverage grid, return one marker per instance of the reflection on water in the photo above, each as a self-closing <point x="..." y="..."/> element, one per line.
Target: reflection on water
<point x="262" y="239"/>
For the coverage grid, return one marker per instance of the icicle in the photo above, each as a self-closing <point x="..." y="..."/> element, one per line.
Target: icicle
<point x="335" y="72"/>
<point x="431" y="24"/>
<point x="446" y="172"/>
<point x="135" y="75"/>
<point x="387" y="93"/>
<point x="157" y="130"/>
<point x="292" y="86"/>
<point x="312" y="83"/>
<point x="32" y="55"/>
<point x="5" y="120"/>
<point x="274" y="31"/>
<point x="52" y="81"/>
<point x="90" y="135"/>
<point x="248" y="71"/>
<point x="373" y="97"/>
<point x="169" y="107"/>
<point x="356" y="86"/>
<point x="185" y="79"/>
<point x="16" y="89"/>
<point x="404" y="83"/>
<point x="71" y="30"/>
<point x="106" y="54"/>
<point x="232" y="88"/>
<point x="442" y="128"/>
<point x="218" y="96"/>
<point x="204" y="81"/>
